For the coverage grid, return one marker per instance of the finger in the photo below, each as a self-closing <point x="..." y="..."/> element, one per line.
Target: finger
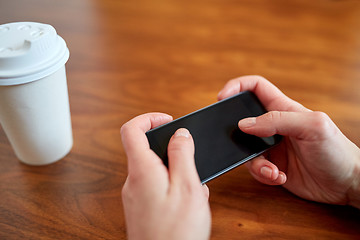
<point x="182" y="168"/>
<point x="269" y="95"/>
<point x="206" y="190"/>
<point x="135" y="141"/>
<point x="300" y="125"/>
<point x="265" y="171"/>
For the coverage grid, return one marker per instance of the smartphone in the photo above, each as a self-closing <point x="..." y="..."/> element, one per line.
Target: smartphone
<point x="219" y="144"/>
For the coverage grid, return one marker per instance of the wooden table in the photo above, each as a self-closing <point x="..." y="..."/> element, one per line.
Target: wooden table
<point x="132" y="57"/>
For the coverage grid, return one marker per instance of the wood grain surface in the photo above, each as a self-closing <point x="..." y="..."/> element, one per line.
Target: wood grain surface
<point x="173" y="56"/>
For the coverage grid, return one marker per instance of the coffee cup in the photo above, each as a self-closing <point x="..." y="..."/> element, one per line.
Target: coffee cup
<point x="34" y="102"/>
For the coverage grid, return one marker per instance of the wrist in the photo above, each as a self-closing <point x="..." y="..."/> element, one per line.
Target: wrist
<point x="353" y="193"/>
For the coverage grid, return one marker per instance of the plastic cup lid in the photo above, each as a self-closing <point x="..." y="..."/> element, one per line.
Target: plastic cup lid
<point x="29" y="51"/>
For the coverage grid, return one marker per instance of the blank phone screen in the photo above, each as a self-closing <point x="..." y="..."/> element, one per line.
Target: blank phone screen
<point x="219" y="144"/>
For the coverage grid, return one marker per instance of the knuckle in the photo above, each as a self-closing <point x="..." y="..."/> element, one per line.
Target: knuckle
<point x="125" y="191"/>
<point x="273" y="115"/>
<point x="133" y="183"/>
<point x="260" y="78"/>
<point x="321" y="120"/>
<point x="323" y="124"/>
<point x="124" y="128"/>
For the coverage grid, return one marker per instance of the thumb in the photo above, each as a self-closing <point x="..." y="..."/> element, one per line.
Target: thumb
<point x="311" y="126"/>
<point x="181" y="152"/>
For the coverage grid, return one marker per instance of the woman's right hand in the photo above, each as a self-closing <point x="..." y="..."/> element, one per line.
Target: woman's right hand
<point x="314" y="161"/>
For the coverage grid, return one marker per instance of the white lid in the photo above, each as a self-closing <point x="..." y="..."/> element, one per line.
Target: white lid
<point x="29" y="51"/>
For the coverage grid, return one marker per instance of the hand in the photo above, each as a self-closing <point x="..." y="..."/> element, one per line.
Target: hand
<point x="161" y="203"/>
<point x="315" y="160"/>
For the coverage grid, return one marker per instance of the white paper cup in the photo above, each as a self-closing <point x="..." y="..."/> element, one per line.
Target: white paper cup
<point x="34" y="102"/>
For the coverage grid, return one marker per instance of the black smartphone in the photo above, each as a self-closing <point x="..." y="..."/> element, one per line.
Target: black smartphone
<point x="219" y="144"/>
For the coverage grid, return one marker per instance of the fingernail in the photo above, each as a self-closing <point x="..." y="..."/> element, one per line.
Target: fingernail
<point x="282" y="177"/>
<point x="266" y="172"/>
<point x="182" y="132"/>
<point x="225" y="92"/>
<point x="247" y="122"/>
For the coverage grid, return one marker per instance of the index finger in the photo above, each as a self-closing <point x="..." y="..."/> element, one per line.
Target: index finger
<point x="270" y="96"/>
<point x="134" y="140"/>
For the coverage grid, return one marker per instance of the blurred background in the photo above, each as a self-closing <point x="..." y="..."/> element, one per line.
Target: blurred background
<point x="173" y="56"/>
<point x="309" y="49"/>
